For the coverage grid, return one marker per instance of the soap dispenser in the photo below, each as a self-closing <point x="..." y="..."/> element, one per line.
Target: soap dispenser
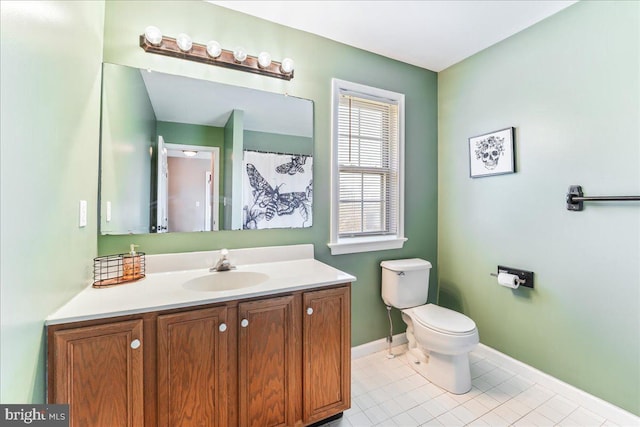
<point x="131" y="269"/>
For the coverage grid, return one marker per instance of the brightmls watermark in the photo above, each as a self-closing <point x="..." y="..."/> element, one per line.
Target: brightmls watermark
<point x="34" y="415"/>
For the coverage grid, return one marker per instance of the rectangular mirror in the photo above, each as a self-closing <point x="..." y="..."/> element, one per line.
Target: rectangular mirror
<point x="185" y="155"/>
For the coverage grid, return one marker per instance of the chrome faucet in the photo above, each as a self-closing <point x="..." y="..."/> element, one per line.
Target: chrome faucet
<point x="223" y="263"/>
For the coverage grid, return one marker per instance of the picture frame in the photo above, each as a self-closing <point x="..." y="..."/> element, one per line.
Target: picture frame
<point x="492" y="153"/>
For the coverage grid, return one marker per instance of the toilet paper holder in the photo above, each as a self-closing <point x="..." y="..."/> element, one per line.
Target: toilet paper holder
<point x="525" y="278"/>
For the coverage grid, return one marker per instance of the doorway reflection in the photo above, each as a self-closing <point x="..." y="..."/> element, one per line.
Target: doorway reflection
<point x="192" y="188"/>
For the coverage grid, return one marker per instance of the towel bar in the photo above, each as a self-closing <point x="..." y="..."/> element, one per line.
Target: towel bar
<point x="575" y="198"/>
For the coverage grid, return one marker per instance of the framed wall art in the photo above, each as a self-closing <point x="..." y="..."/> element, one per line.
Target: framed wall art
<point x="492" y="153"/>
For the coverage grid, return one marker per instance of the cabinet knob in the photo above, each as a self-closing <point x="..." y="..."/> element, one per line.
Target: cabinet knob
<point x="135" y="344"/>
<point x="309" y="311"/>
<point x="244" y="323"/>
<point x="222" y="327"/>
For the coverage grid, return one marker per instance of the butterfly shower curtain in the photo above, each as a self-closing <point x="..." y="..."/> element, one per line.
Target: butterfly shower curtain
<point x="277" y="190"/>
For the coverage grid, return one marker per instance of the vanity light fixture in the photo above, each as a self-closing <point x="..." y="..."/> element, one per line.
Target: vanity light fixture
<point x="214" y="49"/>
<point x="153" y="35"/>
<point x="184" y="42"/>
<point x="189" y="153"/>
<point x="286" y="66"/>
<point x="152" y="41"/>
<point x="264" y="59"/>
<point x="239" y="54"/>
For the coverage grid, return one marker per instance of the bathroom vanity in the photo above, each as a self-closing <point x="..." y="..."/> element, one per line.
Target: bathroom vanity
<point x="273" y="353"/>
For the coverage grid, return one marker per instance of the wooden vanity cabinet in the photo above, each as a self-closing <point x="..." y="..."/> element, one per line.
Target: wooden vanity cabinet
<point x="192" y="368"/>
<point x="282" y="360"/>
<point x="326" y="353"/>
<point x="98" y="369"/>
<point x="268" y="362"/>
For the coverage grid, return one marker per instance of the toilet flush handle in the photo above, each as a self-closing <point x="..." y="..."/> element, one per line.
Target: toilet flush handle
<point x="400" y="273"/>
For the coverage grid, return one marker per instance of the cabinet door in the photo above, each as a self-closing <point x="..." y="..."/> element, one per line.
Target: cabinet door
<point x="98" y="370"/>
<point x="192" y="368"/>
<point x="326" y="331"/>
<point x="267" y="363"/>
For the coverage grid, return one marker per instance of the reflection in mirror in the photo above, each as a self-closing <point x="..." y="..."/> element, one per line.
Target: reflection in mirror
<point x="174" y="155"/>
<point x="188" y="195"/>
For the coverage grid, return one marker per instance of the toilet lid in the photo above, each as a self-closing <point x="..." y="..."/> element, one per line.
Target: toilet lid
<point x="443" y="320"/>
<point x="406" y="264"/>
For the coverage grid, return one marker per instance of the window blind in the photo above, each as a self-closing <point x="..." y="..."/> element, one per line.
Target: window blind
<point x="368" y="166"/>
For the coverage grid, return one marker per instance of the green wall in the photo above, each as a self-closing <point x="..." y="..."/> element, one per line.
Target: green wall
<point x="188" y="134"/>
<point x="49" y="130"/>
<point x="570" y="86"/>
<point x="125" y="21"/>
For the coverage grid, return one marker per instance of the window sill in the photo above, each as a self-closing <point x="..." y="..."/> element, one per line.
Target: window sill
<point x="365" y="244"/>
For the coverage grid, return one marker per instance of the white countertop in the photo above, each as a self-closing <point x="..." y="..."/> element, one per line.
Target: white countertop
<point x="164" y="290"/>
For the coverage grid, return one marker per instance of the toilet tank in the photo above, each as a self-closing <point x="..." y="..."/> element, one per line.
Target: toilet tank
<point x="405" y="282"/>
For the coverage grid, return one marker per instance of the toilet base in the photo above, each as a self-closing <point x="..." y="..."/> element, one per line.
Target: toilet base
<point x="450" y="372"/>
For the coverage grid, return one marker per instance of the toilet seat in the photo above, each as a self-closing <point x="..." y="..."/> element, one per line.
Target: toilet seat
<point x="443" y="320"/>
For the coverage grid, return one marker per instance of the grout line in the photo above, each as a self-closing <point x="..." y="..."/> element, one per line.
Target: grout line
<point x="582" y="398"/>
<point x="602" y="409"/>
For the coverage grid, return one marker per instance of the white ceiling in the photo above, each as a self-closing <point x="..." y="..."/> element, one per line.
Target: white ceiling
<point x="432" y="34"/>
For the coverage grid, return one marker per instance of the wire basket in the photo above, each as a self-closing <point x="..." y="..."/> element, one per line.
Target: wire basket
<point x="113" y="270"/>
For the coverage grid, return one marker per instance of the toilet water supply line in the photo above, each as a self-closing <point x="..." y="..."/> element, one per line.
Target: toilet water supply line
<point x="390" y="355"/>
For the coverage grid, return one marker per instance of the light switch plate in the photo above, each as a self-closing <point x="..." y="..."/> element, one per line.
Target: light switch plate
<point x="82" y="220"/>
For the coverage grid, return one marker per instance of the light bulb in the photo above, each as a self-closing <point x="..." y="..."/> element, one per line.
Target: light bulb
<point x="239" y="54"/>
<point x="189" y="153"/>
<point x="184" y="42"/>
<point x="287" y="66"/>
<point x="264" y="59"/>
<point x="153" y="35"/>
<point x="213" y="49"/>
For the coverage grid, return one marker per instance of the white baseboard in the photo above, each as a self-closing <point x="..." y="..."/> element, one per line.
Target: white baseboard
<point x="601" y="407"/>
<point x="376" y="346"/>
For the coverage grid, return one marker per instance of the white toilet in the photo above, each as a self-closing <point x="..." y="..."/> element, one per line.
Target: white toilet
<point x="439" y="339"/>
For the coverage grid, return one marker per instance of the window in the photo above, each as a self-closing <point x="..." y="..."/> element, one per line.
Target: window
<point x="367" y="169"/>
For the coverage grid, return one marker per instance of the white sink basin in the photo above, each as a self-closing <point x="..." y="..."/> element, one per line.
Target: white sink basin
<point x="225" y="281"/>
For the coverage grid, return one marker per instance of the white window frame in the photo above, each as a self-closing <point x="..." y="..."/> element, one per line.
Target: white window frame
<point x="346" y="245"/>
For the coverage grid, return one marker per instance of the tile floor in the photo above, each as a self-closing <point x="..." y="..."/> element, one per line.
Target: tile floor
<point x="388" y="392"/>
